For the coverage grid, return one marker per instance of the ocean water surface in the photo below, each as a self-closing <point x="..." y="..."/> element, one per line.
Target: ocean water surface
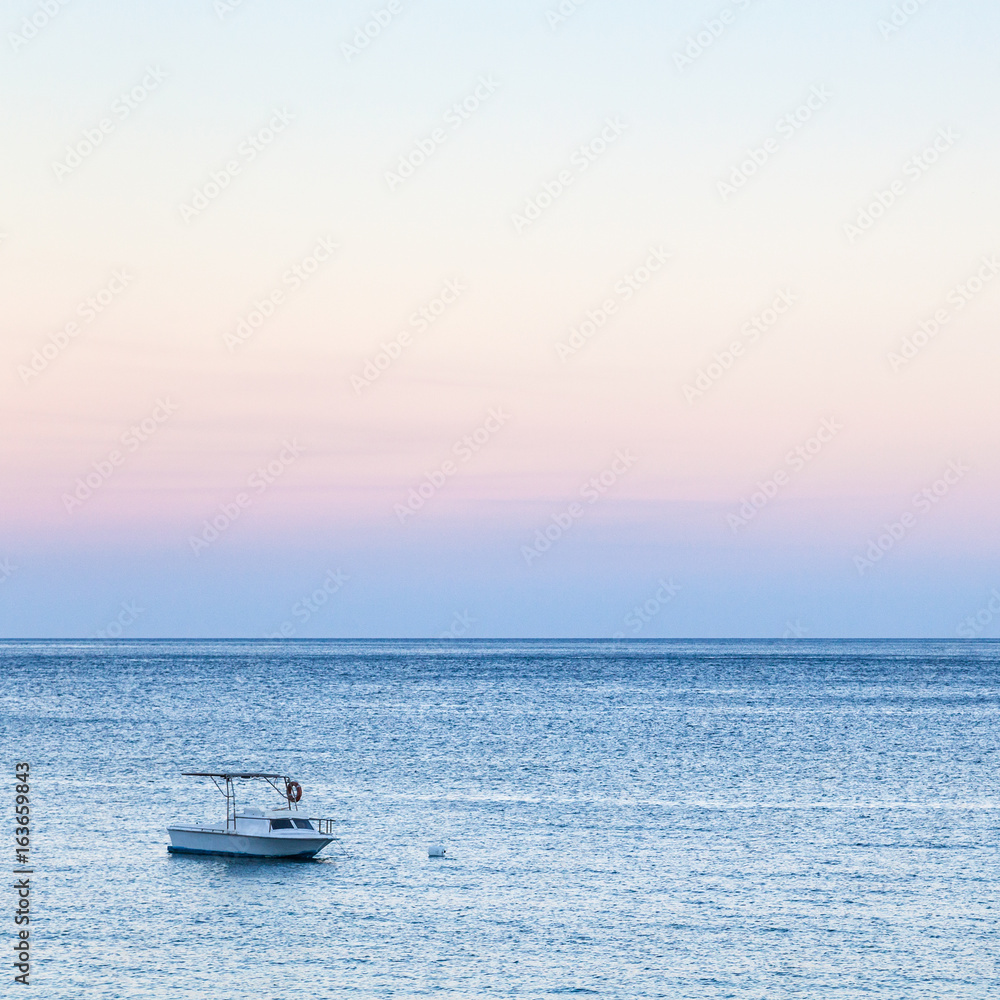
<point x="677" y="819"/>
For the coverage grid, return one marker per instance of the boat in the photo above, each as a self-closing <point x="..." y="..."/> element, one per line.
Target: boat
<point x="250" y="832"/>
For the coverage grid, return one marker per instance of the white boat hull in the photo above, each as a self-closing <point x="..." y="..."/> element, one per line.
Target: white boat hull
<point x="297" y="844"/>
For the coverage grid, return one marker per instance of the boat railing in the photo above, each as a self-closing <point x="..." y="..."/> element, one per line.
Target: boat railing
<point x="323" y="826"/>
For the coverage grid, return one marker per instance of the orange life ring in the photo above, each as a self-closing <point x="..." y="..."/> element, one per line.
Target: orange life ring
<point x="294" y="791"/>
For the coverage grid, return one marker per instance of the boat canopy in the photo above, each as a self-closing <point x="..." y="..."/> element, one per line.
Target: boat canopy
<point x="229" y="775"/>
<point x="288" y="789"/>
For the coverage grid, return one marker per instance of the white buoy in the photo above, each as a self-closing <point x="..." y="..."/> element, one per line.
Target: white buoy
<point x="435" y="851"/>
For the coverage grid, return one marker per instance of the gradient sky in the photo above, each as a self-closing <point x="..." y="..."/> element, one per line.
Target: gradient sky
<point x="328" y="547"/>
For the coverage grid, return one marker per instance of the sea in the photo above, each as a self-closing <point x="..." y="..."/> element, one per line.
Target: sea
<point x="621" y="819"/>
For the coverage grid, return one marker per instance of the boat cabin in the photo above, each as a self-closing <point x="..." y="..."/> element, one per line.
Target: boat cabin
<point x="255" y="821"/>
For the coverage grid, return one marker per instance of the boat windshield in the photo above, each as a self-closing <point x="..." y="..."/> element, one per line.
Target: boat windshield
<point x="281" y="824"/>
<point x="303" y="824"/>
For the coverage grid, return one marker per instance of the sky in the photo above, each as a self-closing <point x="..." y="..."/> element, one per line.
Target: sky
<point x="440" y="319"/>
